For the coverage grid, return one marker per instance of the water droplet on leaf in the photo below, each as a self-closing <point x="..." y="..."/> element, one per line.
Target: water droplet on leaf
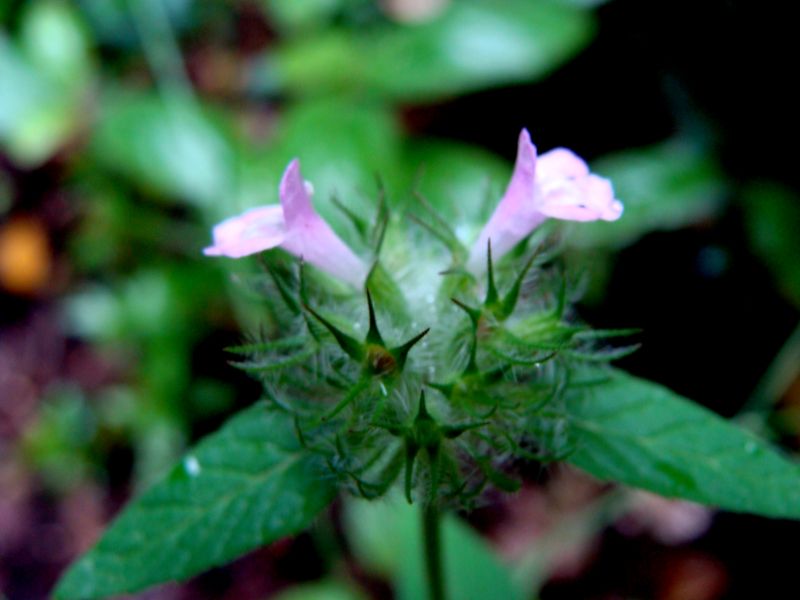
<point x="192" y="466"/>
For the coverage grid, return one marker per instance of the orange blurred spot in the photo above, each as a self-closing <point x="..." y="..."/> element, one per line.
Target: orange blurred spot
<point x="693" y="576"/>
<point x="24" y="256"/>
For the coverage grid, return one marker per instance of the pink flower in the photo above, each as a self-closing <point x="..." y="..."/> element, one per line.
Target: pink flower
<point x="668" y="520"/>
<point x="293" y="225"/>
<point x="557" y="185"/>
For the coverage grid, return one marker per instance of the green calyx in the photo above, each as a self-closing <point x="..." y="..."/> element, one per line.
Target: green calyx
<point x="439" y="228"/>
<point x="484" y="320"/>
<point x="425" y="431"/>
<point x="495" y="382"/>
<point x="472" y="378"/>
<point x="496" y="308"/>
<point x="425" y="434"/>
<point x="376" y="357"/>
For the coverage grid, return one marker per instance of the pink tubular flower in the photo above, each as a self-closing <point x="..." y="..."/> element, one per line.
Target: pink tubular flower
<point x="557" y="185"/>
<point x="293" y="225"/>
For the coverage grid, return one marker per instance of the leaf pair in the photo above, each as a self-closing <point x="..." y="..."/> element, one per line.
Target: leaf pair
<point x="252" y="482"/>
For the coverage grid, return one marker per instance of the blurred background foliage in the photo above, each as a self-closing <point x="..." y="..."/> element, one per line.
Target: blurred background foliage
<point x="129" y="127"/>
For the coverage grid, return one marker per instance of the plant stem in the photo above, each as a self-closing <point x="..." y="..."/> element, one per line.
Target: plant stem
<point x="778" y="377"/>
<point x="431" y="535"/>
<point x="161" y="49"/>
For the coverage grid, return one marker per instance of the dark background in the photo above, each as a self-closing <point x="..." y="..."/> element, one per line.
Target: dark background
<point x="723" y="72"/>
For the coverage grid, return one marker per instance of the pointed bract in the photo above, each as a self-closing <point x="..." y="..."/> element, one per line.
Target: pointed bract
<point x="374" y="334"/>
<point x="351" y="346"/>
<point x="473" y="313"/>
<point x="491" y="286"/>
<point x="508" y="304"/>
<point x="401" y="352"/>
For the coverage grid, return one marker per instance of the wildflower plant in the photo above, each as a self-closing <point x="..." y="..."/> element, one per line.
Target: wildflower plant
<point x="417" y="356"/>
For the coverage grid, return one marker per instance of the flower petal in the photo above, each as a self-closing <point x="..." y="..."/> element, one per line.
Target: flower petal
<point x="557" y="184"/>
<point x="295" y="196"/>
<point x="308" y="236"/>
<point x="600" y="193"/>
<point x="317" y="244"/>
<point x="253" y="231"/>
<point x="516" y="215"/>
<point x="585" y="199"/>
<point x="560" y="163"/>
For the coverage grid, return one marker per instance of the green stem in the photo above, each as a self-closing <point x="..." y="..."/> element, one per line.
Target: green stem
<point x="160" y="47"/>
<point x="778" y="377"/>
<point x="431" y="535"/>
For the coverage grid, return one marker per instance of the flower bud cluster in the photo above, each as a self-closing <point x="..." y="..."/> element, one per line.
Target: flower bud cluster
<point x="431" y="369"/>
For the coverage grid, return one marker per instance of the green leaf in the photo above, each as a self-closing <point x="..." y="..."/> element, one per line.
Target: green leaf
<point x="772" y="218"/>
<point x="464" y="183"/>
<point x="242" y="487"/>
<point x="386" y="537"/>
<point x="56" y="41"/>
<point x="663" y="187"/>
<point x="343" y="147"/>
<point x="45" y="78"/>
<point x="473" y="45"/>
<point x="293" y="16"/>
<point x="114" y="26"/>
<point x="58" y="443"/>
<point x="322" y="590"/>
<point x="168" y="145"/>
<point x="639" y="433"/>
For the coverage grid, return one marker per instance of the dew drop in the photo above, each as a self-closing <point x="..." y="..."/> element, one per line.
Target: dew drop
<point x="191" y="466"/>
<point x="750" y="447"/>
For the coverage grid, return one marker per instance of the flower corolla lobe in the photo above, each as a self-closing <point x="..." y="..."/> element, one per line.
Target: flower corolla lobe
<point x="293" y="225"/>
<point x="254" y="230"/>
